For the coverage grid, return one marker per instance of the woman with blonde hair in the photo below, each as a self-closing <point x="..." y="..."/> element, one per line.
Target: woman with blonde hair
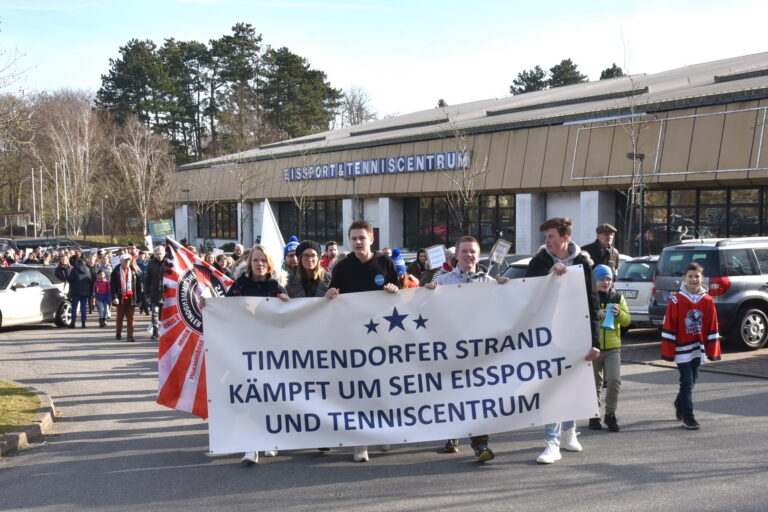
<point x="259" y="278"/>
<point x="310" y="279"/>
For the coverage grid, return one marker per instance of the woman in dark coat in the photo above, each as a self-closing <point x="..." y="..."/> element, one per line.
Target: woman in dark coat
<point x="310" y="280"/>
<point x="259" y="278"/>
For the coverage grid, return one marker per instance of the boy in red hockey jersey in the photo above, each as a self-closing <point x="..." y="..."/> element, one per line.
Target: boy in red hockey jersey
<point x="689" y="336"/>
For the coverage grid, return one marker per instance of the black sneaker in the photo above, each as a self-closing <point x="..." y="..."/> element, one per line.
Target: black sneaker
<point x="594" y="424"/>
<point x="452" y="446"/>
<point x="678" y="410"/>
<point x="611" y="423"/>
<point x="117" y="336"/>
<point x="691" y="423"/>
<point x="483" y="453"/>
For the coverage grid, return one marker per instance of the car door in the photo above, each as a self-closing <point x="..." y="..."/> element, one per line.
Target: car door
<point x="27" y="298"/>
<point x="51" y="295"/>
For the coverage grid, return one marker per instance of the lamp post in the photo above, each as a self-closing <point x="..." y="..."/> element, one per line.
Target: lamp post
<point x="641" y="216"/>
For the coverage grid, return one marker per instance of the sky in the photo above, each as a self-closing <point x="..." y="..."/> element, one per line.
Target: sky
<point x="406" y="55"/>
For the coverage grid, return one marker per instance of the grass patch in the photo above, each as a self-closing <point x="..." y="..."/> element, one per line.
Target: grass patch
<point x="17" y="407"/>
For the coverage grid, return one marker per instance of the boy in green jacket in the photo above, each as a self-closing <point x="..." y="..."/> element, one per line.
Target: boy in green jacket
<point x="609" y="360"/>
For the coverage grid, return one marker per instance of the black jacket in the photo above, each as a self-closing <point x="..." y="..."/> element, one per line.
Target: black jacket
<point x="154" y="280"/>
<point x="247" y="287"/>
<point x="114" y="284"/>
<point x="601" y="256"/>
<point x="351" y="275"/>
<point x="541" y="264"/>
<point x="80" y="280"/>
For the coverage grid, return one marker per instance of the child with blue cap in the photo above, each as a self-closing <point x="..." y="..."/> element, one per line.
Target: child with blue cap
<point x="608" y="363"/>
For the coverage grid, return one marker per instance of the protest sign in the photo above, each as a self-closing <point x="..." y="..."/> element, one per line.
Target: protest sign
<point x="377" y="368"/>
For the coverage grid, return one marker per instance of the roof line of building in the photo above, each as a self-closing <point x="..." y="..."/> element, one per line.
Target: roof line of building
<point x="647" y="108"/>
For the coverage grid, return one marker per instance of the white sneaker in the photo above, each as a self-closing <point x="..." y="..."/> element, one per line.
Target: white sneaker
<point x="383" y="447"/>
<point x="250" y="458"/>
<point x="360" y="454"/>
<point x="550" y="454"/>
<point x="270" y="453"/>
<point x="569" y="442"/>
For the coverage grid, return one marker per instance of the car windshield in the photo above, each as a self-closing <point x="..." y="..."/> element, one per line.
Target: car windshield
<point x="636" y="271"/>
<point x="5" y="279"/>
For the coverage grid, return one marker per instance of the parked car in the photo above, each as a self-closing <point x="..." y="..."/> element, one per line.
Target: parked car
<point x="32" y="294"/>
<point x="5" y="244"/>
<point x="517" y="269"/>
<point x="47" y="243"/>
<point x="635" y="283"/>
<point x="509" y="259"/>
<point x="736" y="275"/>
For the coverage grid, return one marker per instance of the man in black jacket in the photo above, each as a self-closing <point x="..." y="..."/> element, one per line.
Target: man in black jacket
<point x="125" y="286"/>
<point x="80" y="288"/>
<point x="362" y="271"/>
<point x="154" y="288"/>
<point x="558" y="253"/>
<point x="602" y="250"/>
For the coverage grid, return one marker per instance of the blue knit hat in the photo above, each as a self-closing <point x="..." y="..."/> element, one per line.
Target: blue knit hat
<point x="292" y="244"/>
<point x="602" y="271"/>
<point x="397" y="259"/>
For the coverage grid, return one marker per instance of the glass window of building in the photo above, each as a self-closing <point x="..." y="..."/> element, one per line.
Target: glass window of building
<point x="218" y="220"/>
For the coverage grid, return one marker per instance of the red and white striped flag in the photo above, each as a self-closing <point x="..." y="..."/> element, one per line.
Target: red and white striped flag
<point x="181" y="360"/>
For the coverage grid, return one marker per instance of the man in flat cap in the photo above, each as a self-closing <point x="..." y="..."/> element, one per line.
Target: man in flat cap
<point x="602" y="250"/>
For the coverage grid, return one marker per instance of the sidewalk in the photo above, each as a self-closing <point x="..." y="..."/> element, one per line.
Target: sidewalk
<point x="746" y="363"/>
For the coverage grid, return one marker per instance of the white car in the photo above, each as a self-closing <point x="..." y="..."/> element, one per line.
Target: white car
<point x="635" y="283"/>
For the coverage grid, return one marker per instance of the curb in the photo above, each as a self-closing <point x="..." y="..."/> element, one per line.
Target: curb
<point x="41" y="424"/>
<point x="709" y="368"/>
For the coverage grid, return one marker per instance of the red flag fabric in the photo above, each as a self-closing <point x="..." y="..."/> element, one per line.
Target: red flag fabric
<point x="181" y="359"/>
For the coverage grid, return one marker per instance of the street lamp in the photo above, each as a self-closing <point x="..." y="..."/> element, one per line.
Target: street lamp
<point x="641" y="217"/>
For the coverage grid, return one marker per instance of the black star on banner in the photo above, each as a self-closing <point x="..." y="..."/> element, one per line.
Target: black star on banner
<point x="371" y="326"/>
<point x="421" y="322"/>
<point x="395" y="320"/>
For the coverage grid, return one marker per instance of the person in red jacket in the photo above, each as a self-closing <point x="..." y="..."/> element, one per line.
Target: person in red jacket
<point x="689" y="337"/>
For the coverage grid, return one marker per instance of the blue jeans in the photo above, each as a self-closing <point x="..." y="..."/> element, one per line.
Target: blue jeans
<point x="689" y="373"/>
<point x="552" y="431"/>
<point x="103" y="306"/>
<point x="155" y="311"/>
<point x="83" y="302"/>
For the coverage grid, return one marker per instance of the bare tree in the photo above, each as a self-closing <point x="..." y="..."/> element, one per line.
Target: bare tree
<point x="355" y="108"/>
<point x="465" y="181"/>
<point x="16" y="135"/>
<point x="71" y="138"/>
<point x="145" y="161"/>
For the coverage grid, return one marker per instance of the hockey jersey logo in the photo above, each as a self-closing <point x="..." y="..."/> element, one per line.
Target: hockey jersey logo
<point x="693" y="321"/>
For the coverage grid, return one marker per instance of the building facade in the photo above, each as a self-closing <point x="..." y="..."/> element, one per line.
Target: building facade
<point x="677" y="154"/>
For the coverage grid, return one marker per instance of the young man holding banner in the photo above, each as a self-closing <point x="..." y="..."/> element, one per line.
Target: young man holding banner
<point x="558" y="253"/>
<point x="363" y="271"/>
<point x="467" y="254"/>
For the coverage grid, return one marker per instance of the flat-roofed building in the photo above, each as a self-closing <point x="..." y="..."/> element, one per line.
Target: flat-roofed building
<point x="698" y="135"/>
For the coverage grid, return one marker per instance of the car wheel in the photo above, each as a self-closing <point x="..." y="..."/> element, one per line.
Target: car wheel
<point x="751" y="329"/>
<point x="64" y="314"/>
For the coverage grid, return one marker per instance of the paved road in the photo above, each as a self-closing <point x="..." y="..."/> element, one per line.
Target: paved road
<point x="115" y="449"/>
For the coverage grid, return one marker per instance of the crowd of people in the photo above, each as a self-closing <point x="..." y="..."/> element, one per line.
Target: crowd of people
<point x="308" y="269"/>
<point x="306" y="272"/>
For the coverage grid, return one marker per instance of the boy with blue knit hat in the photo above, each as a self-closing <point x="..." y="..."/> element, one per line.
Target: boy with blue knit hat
<point x="608" y="363"/>
<point x="290" y="261"/>
<point x="406" y="280"/>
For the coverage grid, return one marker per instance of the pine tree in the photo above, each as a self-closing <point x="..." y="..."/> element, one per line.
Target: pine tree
<point x="565" y="73"/>
<point x="529" y="81"/>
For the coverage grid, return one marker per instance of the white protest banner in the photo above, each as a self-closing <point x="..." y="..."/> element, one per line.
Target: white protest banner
<point x="377" y="368"/>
